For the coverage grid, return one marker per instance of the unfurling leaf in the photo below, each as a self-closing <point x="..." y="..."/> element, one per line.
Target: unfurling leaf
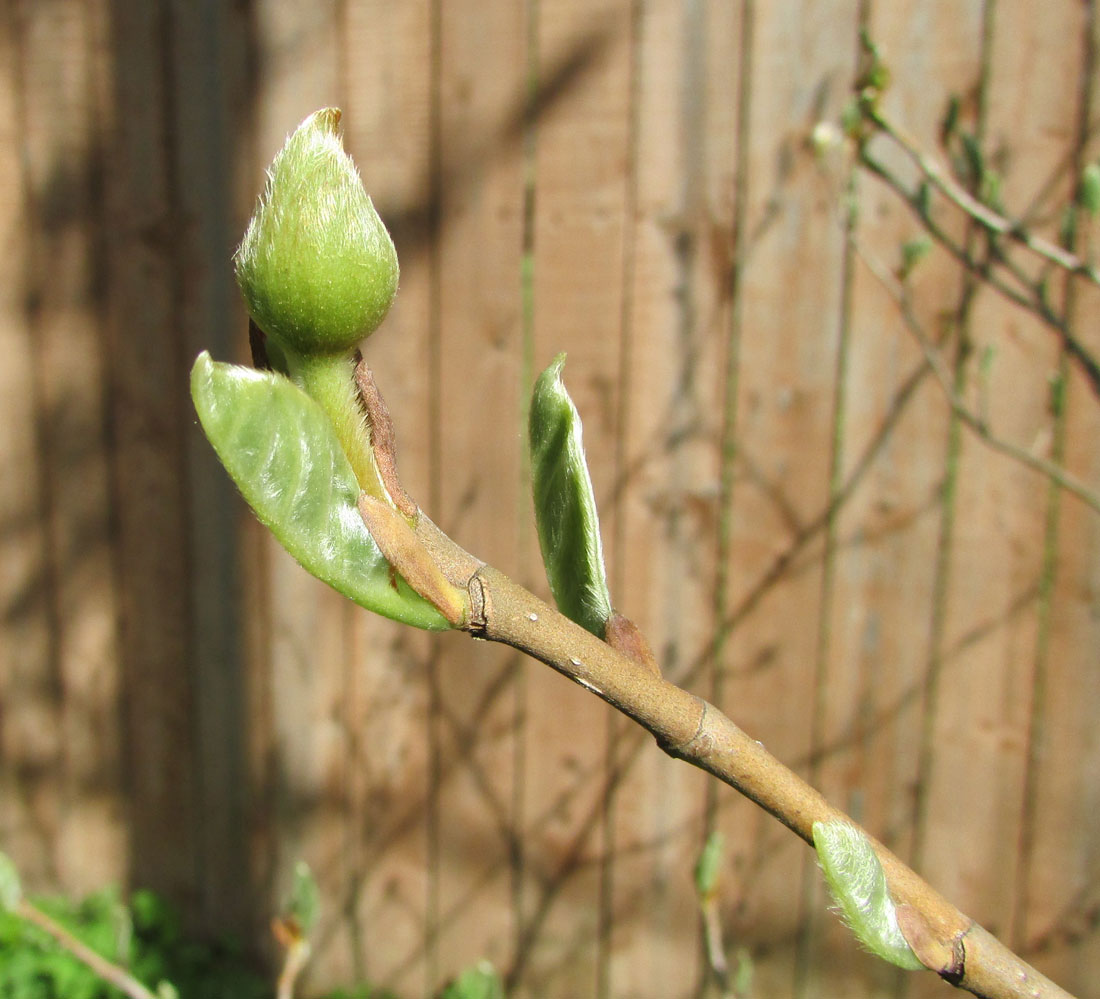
<point x="282" y="452"/>
<point x="858" y="885"/>
<point x="565" y="507"/>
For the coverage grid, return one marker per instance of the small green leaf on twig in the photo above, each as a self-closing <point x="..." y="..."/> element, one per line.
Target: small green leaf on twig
<point x="305" y="898"/>
<point x="565" y="507"/>
<point x="282" y="452"/>
<point x="913" y="251"/>
<point x="11" y="888"/>
<point x="858" y="885"/>
<point x="709" y="865"/>
<point x="1088" y="192"/>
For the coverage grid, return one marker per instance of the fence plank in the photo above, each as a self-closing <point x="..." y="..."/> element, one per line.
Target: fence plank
<point x="148" y="408"/>
<point x="580" y="161"/>
<point x="30" y="730"/>
<point x="477" y="388"/>
<point x="388" y="72"/>
<point x="61" y="132"/>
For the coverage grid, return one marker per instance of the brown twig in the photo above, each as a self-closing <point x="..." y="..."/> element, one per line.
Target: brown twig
<point x="980" y="212"/>
<point x="296" y="954"/>
<point x="1055" y="473"/>
<point x="1033" y="296"/>
<point x="691" y="729"/>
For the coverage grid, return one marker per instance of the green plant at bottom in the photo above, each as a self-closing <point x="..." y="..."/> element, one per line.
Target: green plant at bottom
<point x="145" y="937"/>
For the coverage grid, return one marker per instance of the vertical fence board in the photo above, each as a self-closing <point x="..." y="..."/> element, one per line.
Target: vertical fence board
<point x="149" y="411"/>
<point x="61" y="134"/>
<point x="29" y="723"/>
<point x="579" y="176"/>
<point x="1057" y="865"/>
<point x="307" y="744"/>
<point x="791" y="285"/>
<point x="388" y="69"/>
<point x="212" y="84"/>
<point x="481" y="93"/>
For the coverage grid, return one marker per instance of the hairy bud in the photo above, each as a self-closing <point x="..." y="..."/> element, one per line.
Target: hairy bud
<point x="317" y="267"/>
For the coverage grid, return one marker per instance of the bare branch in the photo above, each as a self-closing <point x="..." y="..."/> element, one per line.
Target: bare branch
<point x="980" y="212"/>
<point x="976" y="423"/>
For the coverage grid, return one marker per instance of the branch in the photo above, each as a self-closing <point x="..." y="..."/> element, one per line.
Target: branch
<point x="980" y="212"/>
<point x="691" y="729"/>
<point x="976" y="423"/>
<point x="1034" y="300"/>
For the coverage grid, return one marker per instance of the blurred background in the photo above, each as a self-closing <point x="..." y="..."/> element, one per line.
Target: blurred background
<point x="848" y="485"/>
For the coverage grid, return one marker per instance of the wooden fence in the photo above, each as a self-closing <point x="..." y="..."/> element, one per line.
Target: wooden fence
<point x="881" y="587"/>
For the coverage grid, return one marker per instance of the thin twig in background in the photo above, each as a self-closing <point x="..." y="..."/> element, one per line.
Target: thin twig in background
<point x="1033" y="299"/>
<point x="980" y="212"/>
<point x="976" y="423"/>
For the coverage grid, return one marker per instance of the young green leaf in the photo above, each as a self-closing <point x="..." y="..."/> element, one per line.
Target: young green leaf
<point x="305" y="898"/>
<point x="565" y="507"/>
<point x="1088" y="192"/>
<point x="282" y="452"/>
<point x="709" y="865"/>
<point x="858" y="885"/>
<point x="11" y="888"/>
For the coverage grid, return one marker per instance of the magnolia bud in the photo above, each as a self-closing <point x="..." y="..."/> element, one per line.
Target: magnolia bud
<point x="317" y="267"/>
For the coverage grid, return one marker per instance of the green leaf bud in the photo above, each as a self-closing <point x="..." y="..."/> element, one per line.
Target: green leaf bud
<point x="858" y="884"/>
<point x="709" y="865"/>
<point x="1088" y="192"/>
<point x="565" y="505"/>
<point x="317" y="267"/>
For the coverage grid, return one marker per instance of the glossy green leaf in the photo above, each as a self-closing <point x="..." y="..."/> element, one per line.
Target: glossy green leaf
<point x="565" y="507"/>
<point x="857" y="882"/>
<point x="281" y="451"/>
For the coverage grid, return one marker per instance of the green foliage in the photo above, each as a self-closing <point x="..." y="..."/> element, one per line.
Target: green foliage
<point x="858" y="885"/>
<point x="282" y="452"/>
<point x="565" y="507"/>
<point x="479" y="982"/>
<point x="144" y="937"/>
<point x="316" y="266"/>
